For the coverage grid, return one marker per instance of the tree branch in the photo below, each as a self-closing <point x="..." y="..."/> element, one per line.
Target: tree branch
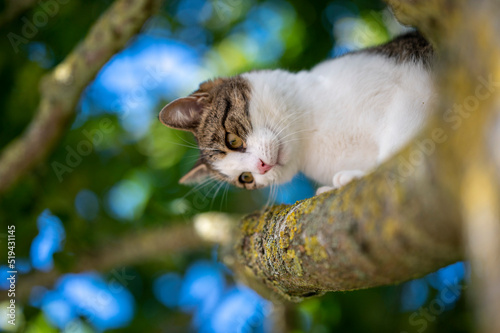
<point x="379" y="230"/>
<point x="472" y="50"/>
<point x="13" y="8"/>
<point x="136" y="248"/>
<point x="407" y="218"/>
<point x="61" y="88"/>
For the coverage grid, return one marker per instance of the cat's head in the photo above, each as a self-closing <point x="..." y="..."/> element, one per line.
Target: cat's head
<point x="240" y="136"/>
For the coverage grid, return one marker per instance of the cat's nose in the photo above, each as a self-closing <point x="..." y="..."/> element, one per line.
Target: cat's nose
<point x="263" y="167"/>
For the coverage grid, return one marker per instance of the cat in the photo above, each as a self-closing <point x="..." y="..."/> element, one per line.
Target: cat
<point x="334" y="123"/>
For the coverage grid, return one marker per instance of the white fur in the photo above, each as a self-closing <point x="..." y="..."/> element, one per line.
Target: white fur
<point x="334" y="122"/>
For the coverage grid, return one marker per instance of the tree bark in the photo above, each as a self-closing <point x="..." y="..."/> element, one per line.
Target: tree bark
<point x="14" y="8"/>
<point x="434" y="203"/>
<point x="385" y="228"/>
<point x="132" y="249"/>
<point x="61" y="88"/>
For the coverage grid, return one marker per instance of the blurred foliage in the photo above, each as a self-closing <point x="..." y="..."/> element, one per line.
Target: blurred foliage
<point x="116" y="170"/>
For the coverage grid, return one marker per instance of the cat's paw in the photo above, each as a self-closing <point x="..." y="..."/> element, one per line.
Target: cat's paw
<point x="323" y="189"/>
<point x="342" y="178"/>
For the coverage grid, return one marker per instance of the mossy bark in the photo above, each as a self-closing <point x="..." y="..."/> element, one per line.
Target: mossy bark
<point x="382" y="229"/>
<point x="434" y="203"/>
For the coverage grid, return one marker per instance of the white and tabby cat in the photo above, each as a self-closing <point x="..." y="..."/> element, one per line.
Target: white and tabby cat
<point x="334" y="122"/>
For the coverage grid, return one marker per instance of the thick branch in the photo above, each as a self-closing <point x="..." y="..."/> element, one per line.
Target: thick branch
<point x="61" y="88"/>
<point x="405" y="219"/>
<point x="147" y="245"/>
<point x="472" y="50"/>
<point x="383" y="229"/>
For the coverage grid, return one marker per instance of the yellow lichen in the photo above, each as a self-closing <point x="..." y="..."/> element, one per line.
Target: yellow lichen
<point x="292" y="232"/>
<point x="271" y="250"/>
<point x="310" y="204"/>
<point x="389" y="228"/>
<point x="284" y="242"/>
<point x="314" y="249"/>
<point x="293" y="262"/>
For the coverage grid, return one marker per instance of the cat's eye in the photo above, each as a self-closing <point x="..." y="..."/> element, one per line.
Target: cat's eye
<point x="246" y="178"/>
<point x="233" y="141"/>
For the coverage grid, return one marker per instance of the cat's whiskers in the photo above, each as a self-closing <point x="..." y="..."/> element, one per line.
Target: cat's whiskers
<point x="272" y="193"/>
<point x="266" y="204"/>
<point x="182" y="145"/>
<point x="291" y="140"/>
<point x="221" y="183"/>
<point x="217" y="182"/>
<point x="206" y="148"/>
<point x="278" y="126"/>
<point x="197" y="188"/>
<point x="194" y="154"/>
<point x="275" y="191"/>
<point x="190" y="144"/>
<point x="298" y="117"/>
<point x="225" y="193"/>
<point x="186" y="141"/>
<point x="271" y="197"/>
<point x="294" y="133"/>
<point x="286" y="126"/>
<point x="200" y="185"/>
<point x="270" y="122"/>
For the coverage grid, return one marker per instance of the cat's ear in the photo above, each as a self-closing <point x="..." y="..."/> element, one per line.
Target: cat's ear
<point x="197" y="174"/>
<point x="185" y="113"/>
